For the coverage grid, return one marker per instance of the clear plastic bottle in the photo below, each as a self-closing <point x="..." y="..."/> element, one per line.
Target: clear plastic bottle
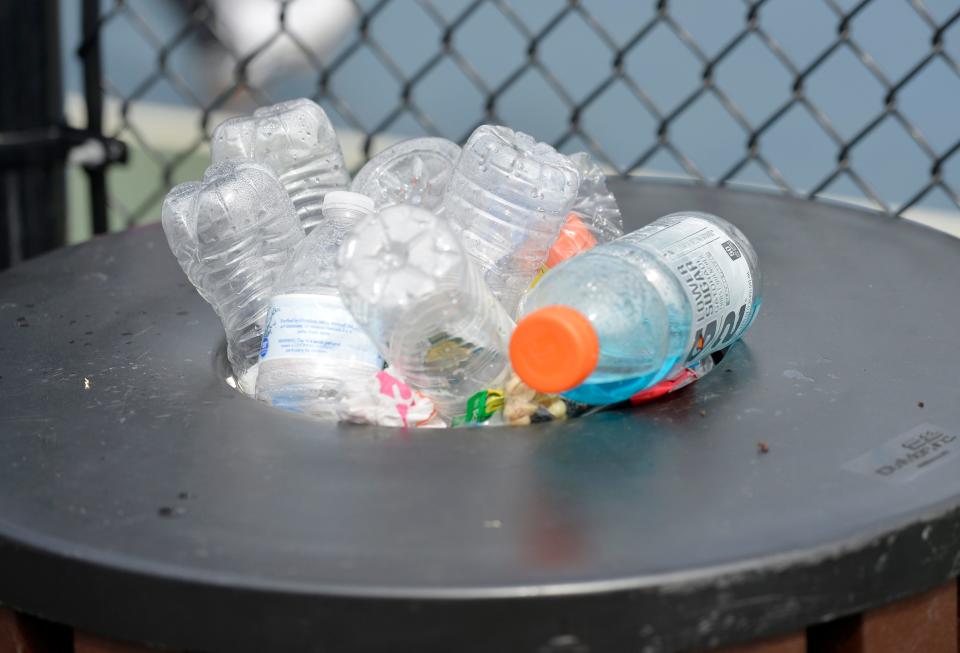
<point x="311" y="344"/>
<point x="415" y="171"/>
<point x="232" y="233"/>
<point x="595" y="217"/>
<point x="508" y="196"/>
<point x="296" y="140"/>
<point x="596" y="206"/>
<point x="179" y="218"/>
<point x="620" y="317"/>
<point x="408" y="281"/>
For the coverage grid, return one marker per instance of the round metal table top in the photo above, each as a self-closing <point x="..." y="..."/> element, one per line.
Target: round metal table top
<point x="142" y="497"/>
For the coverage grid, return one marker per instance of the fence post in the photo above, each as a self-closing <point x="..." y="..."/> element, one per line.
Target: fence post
<point x="32" y="187"/>
<point x="93" y="93"/>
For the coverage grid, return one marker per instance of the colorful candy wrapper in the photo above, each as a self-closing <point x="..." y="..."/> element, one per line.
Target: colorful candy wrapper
<point x="514" y="405"/>
<point x="481" y="408"/>
<point x="683" y="379"/>
<point x="385" y="400"/>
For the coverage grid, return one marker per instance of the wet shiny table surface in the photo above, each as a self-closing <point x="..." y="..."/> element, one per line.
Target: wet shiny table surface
<point x="142" y="497"/>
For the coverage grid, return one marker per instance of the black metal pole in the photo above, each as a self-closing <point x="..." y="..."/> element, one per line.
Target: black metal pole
<point x="93" y="91"/>
<point x="32" y="194"/>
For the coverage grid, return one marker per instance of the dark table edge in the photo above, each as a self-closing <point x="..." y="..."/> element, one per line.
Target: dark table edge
<point x="704" y="607"/>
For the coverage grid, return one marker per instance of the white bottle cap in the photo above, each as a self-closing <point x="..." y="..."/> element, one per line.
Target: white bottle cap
<point x="344" y="199"/>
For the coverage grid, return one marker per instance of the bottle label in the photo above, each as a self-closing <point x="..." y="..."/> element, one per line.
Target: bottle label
<point x="315" y="326"/>
<point x="715" y="276"/>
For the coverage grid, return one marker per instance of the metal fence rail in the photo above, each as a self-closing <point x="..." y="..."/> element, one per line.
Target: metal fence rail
<point x="665" y="119"/>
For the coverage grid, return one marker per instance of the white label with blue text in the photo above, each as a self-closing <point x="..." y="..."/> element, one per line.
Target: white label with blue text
<point x="714" y="273"/>
<point x="315" y="326"/>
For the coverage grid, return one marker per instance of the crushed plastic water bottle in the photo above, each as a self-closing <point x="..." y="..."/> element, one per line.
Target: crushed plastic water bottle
<point x="619" y="318"/>
<point x="179" y="218"/>
<point x="414" y="171"/>
<point x="296" y="140"/>
<point x="595" y="205"/>
<point x="408" y="281"/>
<point x="595" y="217"/>
<point x="232" y="233"/>
<point x="311" y="344"/>
<point x="508" y="196"/>
<point x="425" y="263"/>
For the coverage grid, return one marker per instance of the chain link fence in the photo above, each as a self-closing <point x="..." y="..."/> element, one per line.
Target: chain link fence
<point x="646" y="88"/>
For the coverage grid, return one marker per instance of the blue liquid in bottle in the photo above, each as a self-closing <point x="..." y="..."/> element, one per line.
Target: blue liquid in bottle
<point x="658" y="299"/>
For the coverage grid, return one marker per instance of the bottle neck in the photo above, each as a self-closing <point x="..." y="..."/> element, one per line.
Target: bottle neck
<point x="344" y="215"/>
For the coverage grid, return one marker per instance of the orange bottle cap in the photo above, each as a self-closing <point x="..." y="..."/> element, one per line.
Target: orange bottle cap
<point x="554" y="349"/>
<point x="574" y="238"/>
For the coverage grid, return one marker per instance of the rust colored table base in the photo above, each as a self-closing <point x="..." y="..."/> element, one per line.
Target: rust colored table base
<point x="87" y="643"/>
<point x="927" y="623"/>
<point x="795" y="643"/>
<point x="21" y="633"/>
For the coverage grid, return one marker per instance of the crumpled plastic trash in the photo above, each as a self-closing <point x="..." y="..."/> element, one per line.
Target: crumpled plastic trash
<point x="682" y="379"/>
<point x="523" y="405"/>
<point x="595" y="204"/>
<point x="515" y="404"/>
<point x="385" y="400"/>
<point x="482" y="408"/>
